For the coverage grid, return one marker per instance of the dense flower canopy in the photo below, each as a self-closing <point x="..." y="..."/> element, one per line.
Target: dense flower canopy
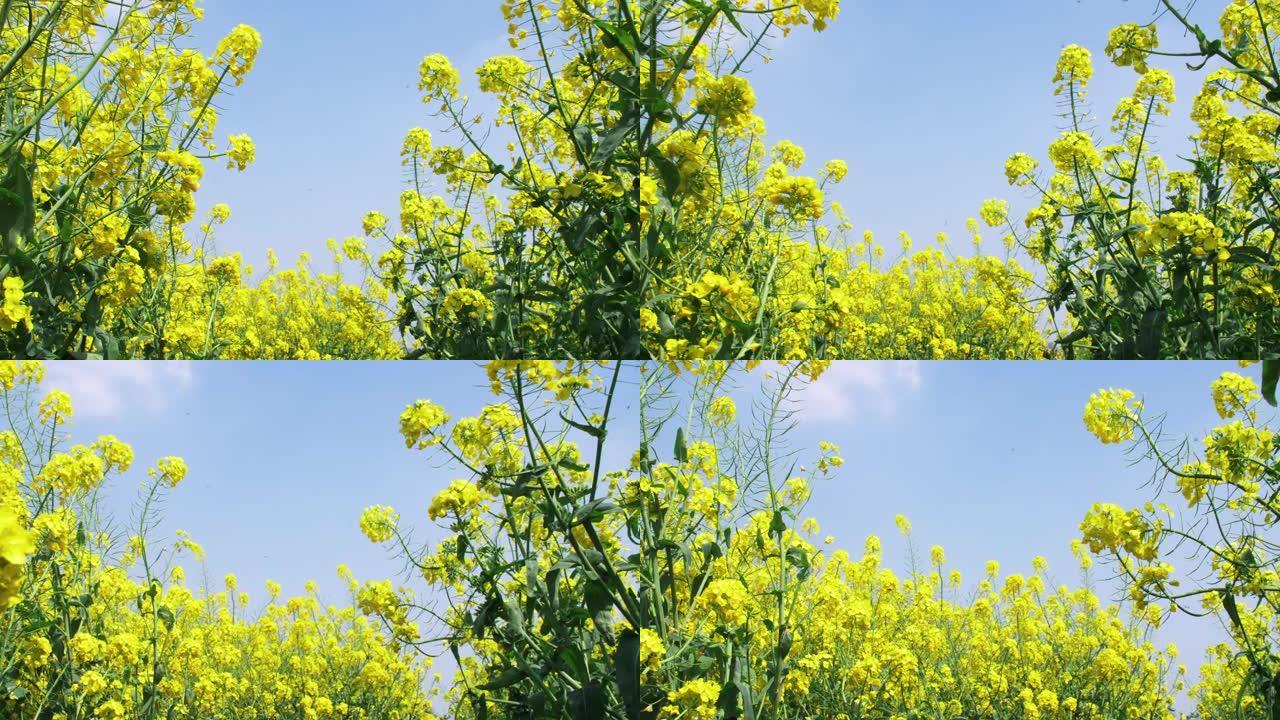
<point x="612" y="192"/>
<point x="96" y="623"/>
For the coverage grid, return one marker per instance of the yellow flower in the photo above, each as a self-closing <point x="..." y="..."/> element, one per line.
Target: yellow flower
<point x="727" y="600"/>
<point x="378" y="523"/>
<point x="995" y="212"/>
<point x="15" y="545"/>
<point x="459" y="498"/>
<point x="1189" y="232"/>
<point x="1233" y="394"/>
<point x="1111" y="415"/>
<point x="652" y="649"/>
<point x="467" y="303"/>
<point x="242" y="152"/>
<point x="502" y="74"/>
<point x="14" y="312"/>
<point x="722" y="411"/>
<point x="438" y="79"/>
<point x="1075" y="67"/>
<point x="419" y="422"/>
<point x="1131" y="44"/>
<point x="55" y="409"/>
<point x="1110" y="527"/>
<point x="1019" y="169"/>
<point x="729" y="99"/>
<point x="169" y="470"/>
<point x="1074" y="151"/>
<point x="238" y="50"/>
<point x="695" y="700"/>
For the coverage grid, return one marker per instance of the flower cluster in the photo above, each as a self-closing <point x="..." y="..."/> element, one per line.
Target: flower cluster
<point x="1143" y="259"/>
<point x="102" y="627"/>
<point x="739" y="605"/>
<point x="1111" y="415"/>
<point x="1225" y="491"/>
<point x="112" y="115"/>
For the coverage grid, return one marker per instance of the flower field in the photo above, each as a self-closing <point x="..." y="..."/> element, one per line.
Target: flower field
<point x="613" y="182"/>
<point x="683" y="388"/>
<point x="691" y="581"/>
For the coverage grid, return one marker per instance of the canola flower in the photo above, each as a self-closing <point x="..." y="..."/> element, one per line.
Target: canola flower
<point x="1144" y="258"/>
<point x="749" y="258"/>
<point x="1202" y="545"/>
<point x="634" y="211"/>
<point x="220" y="308"/>
<point x="102" y="153"/>
<point x="102" y="147"/>
<point x="694" y="578"/>
<point x="740" y="595"/>
<point x="727" y="269"/>
<point x="98" y="625"/>
<point x="518" y="251"/>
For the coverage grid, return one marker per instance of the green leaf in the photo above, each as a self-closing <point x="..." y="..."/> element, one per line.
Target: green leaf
<point x="1270" y="377"/>
<point x="1150" y="332"/>
<point x="108" y="343"/>
<point x="1250" y="255"/>
<point x="626" y="669"/>
<point x="596" y="597"/>
<point x="482" y="617"/>
<point x="593" y="511"/>
<point x="17" y="206"/>
<point x="665" y="327"/>
<point x="785" y="641"/>
<point x="748" y="707"/>
<point x="728" y="700"/>
<point x="613" y="139"/>
<point x="778" y="524"/>
<point x="552" y="581"/>
<point x="592" y="430"/>
<point x="682" y="452"/>
<point x="799" y="559"/>
<point x="505" y="679"/>
<point x="587" y="702"/>
<point x="1229" y="604"/>
<point x="571" y="465"/>
<point x="728" y="9"/>
<point x="617" y="35"/>
<point x="668" y="170"/>
<point x="575" y="239"/>
<point x="712" y="550"/>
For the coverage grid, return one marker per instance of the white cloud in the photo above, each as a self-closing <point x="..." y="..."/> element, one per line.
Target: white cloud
<point x="849" y="388"/>
<point x="109" y="389"/>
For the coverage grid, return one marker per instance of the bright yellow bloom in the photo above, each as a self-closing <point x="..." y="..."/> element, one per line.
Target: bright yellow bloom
<point x="1112" y="414"/>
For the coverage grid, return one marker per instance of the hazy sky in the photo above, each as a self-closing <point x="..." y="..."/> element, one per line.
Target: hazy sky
<point x="925" y="100"/>
<point x="990" y="460"/>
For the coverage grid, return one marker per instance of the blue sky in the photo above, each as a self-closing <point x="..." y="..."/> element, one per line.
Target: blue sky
<point x="990" y="460"/>
<point x="925" y="101"/>
<point x="284" y="456"/>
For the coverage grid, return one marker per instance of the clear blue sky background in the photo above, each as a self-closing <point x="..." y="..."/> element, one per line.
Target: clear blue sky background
<point x="284" y="456"/>
<point x="990" y="460"/>
<point x="925" y="100"/>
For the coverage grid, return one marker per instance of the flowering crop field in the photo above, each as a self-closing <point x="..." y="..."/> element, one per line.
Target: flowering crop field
<point x="612" y="193"/>
<point x="644" y="313"/>
<point x="636" y="541"/>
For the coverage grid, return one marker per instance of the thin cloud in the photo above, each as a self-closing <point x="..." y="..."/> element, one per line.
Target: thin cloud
<point x="848" y="389"/>
<point x="112" y="389"/>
